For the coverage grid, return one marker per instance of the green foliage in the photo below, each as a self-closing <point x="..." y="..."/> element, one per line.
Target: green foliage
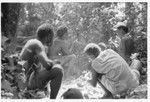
<point x="87" y="22"/>
<point x="94" y="20"/>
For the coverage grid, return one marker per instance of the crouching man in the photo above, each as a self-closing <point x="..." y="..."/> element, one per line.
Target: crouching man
<point x="111" y="71"/>
<point x="42" y="67"/>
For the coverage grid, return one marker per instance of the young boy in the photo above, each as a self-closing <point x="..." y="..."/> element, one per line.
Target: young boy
<point x="60" y="51"/>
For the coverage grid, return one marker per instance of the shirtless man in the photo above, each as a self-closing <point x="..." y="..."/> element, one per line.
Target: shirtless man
<point x="60" y="50"/>
<point x="43" y="70"/>
<point x="111" y="71"/>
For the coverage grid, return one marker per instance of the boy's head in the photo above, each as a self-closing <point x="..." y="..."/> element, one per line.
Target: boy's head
<point x="62" y="32"/>
<point x="45" y="33"/>
<point x="72" y="93"/>
<point x="92" y="50"/>
<point x="102" y="46"/>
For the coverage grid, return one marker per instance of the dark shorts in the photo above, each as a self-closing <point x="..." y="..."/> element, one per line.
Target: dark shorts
<point x="39" y="80"/>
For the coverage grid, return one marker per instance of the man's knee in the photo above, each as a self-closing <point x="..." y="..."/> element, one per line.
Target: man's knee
<point x="58" y="71"/>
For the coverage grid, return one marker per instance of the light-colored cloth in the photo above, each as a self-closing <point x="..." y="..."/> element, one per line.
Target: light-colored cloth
<point x="118" y="75"/>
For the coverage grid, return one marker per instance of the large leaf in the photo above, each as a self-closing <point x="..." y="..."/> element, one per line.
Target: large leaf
<point x="6" y="85"/>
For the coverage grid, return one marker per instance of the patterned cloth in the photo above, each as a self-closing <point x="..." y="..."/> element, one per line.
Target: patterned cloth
<point x="118" y="75"/>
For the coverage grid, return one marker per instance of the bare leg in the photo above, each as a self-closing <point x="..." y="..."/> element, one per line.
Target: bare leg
<point x="55" y="82"/>
<point x="43" y="77"/>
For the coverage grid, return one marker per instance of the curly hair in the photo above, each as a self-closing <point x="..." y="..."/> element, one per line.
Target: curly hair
<point x="45" y="30"/>
<point x="92" y="49"/>
<point x="61" y="31"/>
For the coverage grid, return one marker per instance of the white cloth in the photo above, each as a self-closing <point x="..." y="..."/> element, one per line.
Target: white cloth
<point x="118" y="75"/>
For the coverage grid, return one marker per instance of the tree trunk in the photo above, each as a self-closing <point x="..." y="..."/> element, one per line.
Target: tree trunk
<point x="129" y="9"/>
<point x="9" y="22"/>
<point x="10" y="16"/>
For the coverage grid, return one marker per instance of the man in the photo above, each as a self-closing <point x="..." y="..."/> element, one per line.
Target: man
<point x="102" y="46"/>
<point x="126" y="43"/>
<point x="43" y="70"/>
<point x="60" y="50"/>
<point x="111" y="70"/>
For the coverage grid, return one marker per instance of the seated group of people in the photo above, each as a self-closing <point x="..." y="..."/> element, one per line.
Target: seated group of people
<point x="108" y="68"/>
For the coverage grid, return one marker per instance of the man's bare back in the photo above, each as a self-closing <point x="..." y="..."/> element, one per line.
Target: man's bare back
<point x="35" y="48"/>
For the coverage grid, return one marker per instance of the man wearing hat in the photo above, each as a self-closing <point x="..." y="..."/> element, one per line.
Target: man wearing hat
<point x="126" y="43"/>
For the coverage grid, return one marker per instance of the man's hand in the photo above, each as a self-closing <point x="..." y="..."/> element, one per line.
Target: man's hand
<point x="56" y="61"/>
<point x="91" y="82"/>
<point x="50" y="63"/>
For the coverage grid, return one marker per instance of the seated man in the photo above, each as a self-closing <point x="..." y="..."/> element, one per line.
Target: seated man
<point x="111" y="70"/>
<point x="43" y="70"/>
<point x="60" y="50"/>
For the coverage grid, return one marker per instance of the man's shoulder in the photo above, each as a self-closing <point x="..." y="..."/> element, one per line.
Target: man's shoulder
<point x="58" y="41"/>
<point x="107" y="54"/>
<point x="98" y="65"/>
<point x="34" y="43"/>
<point x="108" y="51"/>
<point x="94" y="63"/>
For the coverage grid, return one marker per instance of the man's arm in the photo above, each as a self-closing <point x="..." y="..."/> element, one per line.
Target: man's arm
<point x="65" y="50"/>
<point x="42" y="56"/>
<point x="47" y="63"/>
<point x="96" y="78"/>
<point x="122" y="49"/>
<point x="93" y="81"/>
<point x="39" y="50"/>
<point x="95" y="75"/>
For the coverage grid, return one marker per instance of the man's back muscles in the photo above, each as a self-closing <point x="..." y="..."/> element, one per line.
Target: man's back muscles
<point x="29" y="50"/>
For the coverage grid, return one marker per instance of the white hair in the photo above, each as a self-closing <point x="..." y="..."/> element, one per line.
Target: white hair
<point x="91" y="46"/>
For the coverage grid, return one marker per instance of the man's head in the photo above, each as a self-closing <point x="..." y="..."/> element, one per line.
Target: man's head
<point x="92" y="50"/>
<point x="45" y="33"/>
<point x="121" y="28"/>
<point x="62" y="32"/>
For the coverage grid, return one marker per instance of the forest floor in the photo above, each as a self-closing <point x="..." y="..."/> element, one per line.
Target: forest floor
<point x="79" y="81"/>
<point x="88" y="91"/>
